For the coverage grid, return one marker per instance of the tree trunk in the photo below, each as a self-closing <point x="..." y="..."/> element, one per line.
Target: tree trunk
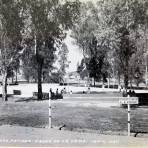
<point x="108" y="82"/>
<point x="16" y="76"/>
<point x="40" y="94"/>
<point x="126" y="76"/>
<point x="131" y="84"/>
<point x="4" y="86"/>
<point x="40" y="61"/>
<point x="119" y="80"/>
<point x="126" y="80"/>
<point x="94" y="82"/>
<point x="12" y="79"/>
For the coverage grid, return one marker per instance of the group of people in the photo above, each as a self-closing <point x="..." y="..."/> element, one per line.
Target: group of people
<point x="63" y="91"/>
<point x="56" y="95"/>
<point x="131" y="93"/>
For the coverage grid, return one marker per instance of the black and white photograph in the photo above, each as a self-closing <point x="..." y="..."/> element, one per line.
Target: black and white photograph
<point x="74" y="73"/>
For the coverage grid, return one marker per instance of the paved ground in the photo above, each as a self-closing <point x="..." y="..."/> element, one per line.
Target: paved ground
<point x="26" y="136"/>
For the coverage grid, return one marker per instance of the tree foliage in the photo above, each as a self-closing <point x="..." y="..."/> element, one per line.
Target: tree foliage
<point x="49" y="21"/>
<point x="37" y="26"/>
<point x="120" y="27"/>
<point x="11" y="41"/>
<point x="63" y="53"/>
<point x="91" y="37"/>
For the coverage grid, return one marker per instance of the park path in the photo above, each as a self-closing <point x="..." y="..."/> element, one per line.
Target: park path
<point x="27" y="136"/>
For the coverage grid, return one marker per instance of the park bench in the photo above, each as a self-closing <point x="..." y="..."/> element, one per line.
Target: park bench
<point x="16" y="92"/>
<point x="143" y="98"/>
<point x="45" y="95"/>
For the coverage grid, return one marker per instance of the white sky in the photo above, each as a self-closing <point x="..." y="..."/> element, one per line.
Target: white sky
<point x="74" y="55"/>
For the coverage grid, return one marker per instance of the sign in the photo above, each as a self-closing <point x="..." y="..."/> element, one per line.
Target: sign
<point x="129" y="100"/>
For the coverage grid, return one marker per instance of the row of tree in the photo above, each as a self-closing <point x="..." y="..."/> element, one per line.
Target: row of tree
<point x="113" y="37"/>
<point x="32" y="30"/>
<point x="111" y="33"/>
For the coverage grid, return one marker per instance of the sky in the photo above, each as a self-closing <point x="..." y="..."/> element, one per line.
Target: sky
<point x="74" y="55"/>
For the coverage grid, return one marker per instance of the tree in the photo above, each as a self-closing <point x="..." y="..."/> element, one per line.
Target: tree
<point x="91" y="36"/>
<point x="98" y="62"/>
<point x="82" y="69"/>
<point x="137" y="67"/>
<point x="48" y="21"/>
<point x="16" y="67"/>
<point x="11" y="41"/>
<point x="29" y="66"/>
<point x="126" y="23"/>
<point x="63" y="53"/>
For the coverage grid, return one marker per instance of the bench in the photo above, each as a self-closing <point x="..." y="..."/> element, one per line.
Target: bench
<point x="45" y="95"/>
<point x="16" y="92"/>
<point x="143" y="98"/>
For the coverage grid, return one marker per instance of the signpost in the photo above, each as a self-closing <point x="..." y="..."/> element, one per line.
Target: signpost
<point x="128" y="100"/>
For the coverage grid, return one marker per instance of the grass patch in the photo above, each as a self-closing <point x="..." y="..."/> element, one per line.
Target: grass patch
<point x="100" y="120"/>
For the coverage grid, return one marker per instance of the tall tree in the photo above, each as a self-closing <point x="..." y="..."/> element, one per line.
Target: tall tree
<point x="82" y="69"/>
<point x="90" y="35"/>
<point x="48" y="21"/>
<point x="63" y="53"/>
<point x="11" y="41"/>
<point x="124" y="20"/>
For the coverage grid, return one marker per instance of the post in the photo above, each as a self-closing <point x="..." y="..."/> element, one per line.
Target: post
<point x="128" y="116"/>
<point x="146" y="72"/>
<point x="49" y="110"/>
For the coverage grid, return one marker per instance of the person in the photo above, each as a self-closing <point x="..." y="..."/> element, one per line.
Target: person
<point x="133" y="93"/>
<point x="124" y="93"/>
<point x="51" y="94"/>
<point x="120" y="88"/>
<point x="130" y="93"/>
<point x="50" y="90"/>
<point x="88" y="90"/>
<point x="64" y="90"/>
<point x="57" y="91"/>
<point x="71" y="92"/>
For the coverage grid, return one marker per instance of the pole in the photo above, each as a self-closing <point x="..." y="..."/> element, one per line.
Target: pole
<point x="49" y="110"/>
<point x="128" y="117"/>
<point x="146" y="71"/>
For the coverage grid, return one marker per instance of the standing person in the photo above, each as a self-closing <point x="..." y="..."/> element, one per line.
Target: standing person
<point x="130" y="93"/>
<point x="88" y="91"/>
<point x="120" y="88"/>
<point x="57" y="91"/>
<point x="124" y="94"/>
<point x="50" y="93"/>
<point x="64" y="90"/>
<point x="133" y="93"/>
